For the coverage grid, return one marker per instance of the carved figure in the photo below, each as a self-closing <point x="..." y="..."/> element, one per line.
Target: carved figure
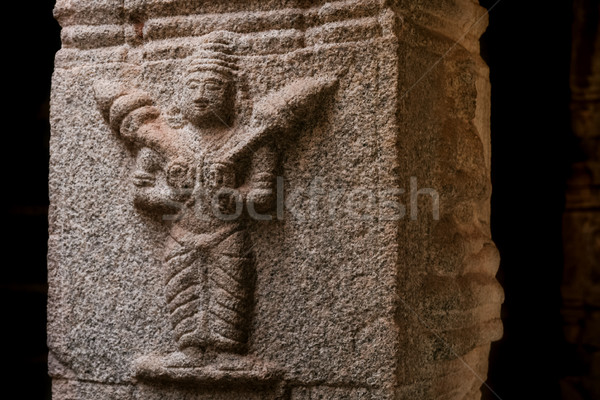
<point x="203" y="175"/>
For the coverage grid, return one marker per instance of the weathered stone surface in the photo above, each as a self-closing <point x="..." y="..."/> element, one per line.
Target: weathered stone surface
<point x="354" y="138"/>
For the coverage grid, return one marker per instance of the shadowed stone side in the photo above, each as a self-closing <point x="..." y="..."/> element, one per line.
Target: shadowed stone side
<point x="581" y="220"/>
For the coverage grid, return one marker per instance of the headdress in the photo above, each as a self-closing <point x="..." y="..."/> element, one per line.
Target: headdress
<point x="215" y="55"/>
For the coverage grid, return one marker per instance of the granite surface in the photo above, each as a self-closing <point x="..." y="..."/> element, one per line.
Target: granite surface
<point x="270" y="199"/>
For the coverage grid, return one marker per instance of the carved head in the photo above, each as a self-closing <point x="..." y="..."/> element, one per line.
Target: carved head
<point x="209" y="87"/>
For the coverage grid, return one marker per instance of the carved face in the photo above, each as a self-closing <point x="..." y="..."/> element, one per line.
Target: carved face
<point x="207" y="99"/>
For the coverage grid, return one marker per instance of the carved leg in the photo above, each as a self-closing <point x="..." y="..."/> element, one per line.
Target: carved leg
<point x="186" y="297"/>
<point x="230" y="292"/>
<point x="208" y="303"/>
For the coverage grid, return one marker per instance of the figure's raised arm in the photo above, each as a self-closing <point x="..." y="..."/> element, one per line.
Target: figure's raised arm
<point x="279" y="114"/>
<point x="132" y="115"/>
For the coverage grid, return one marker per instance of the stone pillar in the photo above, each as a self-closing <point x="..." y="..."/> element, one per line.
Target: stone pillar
<point x="274" y="199"/>
<point x="581" y="222"/>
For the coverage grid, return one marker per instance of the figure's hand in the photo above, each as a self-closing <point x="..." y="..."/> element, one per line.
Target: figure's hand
<point x="220" y="175"/>
<point x="148" y="164"/>
<point x="260" y="200"/>
<point x="219" y="179"/>
<point x="150" y="189"/>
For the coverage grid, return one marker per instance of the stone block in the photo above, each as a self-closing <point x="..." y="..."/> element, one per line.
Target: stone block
<point x="270" y="199"/>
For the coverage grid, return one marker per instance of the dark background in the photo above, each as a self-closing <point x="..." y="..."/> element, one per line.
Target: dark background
<point x="31" y="38"/>
<point x="528" y="49"/>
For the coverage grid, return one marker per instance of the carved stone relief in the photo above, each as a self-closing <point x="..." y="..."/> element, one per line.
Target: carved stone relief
<point x="200" y="179"/>
<point x="220" y="228"/>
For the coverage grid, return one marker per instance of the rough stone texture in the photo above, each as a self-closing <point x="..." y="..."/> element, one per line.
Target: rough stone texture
<point x="581" y="222"/>
<point x="353" y="289"/>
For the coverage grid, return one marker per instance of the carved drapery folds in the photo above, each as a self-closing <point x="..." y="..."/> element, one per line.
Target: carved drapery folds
<point x="229" y="218"/>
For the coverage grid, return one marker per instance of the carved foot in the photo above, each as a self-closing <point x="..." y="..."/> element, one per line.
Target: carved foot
<point x="205" y="369"/>
<point x="174" y="360"/>
<point x="233" y="362"/>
